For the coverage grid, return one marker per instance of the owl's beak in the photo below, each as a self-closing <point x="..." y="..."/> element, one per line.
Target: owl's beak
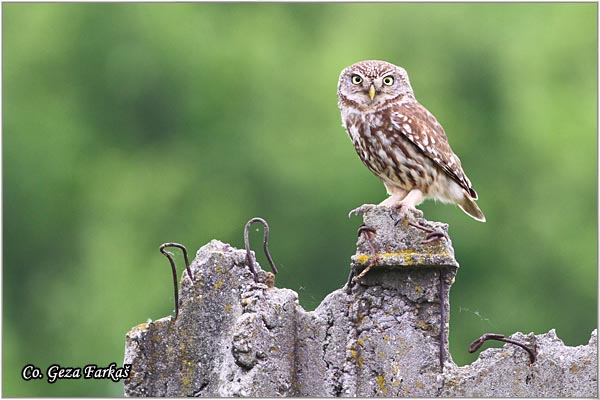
<point x="372" y="92"/>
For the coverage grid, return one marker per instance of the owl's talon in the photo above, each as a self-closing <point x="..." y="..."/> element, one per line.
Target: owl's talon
<point x="405" y="212"/>
<point x="416" y="213"/>
<point x="361" y="210"/>
<point x="395" y="218"/>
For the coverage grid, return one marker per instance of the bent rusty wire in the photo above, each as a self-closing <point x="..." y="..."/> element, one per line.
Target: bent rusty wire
<point x="367" y="233"/>
<point x="476" y="344"/>
<point x="169" y="255"/>
<point x="249" y="258"/>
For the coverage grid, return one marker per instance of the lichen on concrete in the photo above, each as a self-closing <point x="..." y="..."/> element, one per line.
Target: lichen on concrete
<point x="235" y="337"/>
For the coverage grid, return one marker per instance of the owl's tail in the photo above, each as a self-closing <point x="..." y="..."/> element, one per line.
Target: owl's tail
<point x="469" y="206"/>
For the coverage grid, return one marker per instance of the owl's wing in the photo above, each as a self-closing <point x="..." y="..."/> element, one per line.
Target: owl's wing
<point x="421" y="128"/>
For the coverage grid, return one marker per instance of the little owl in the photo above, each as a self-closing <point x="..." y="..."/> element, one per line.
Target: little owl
<point x="400" y="141"/>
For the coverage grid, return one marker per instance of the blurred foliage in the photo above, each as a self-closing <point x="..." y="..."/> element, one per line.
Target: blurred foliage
<point x="128" y="125"/>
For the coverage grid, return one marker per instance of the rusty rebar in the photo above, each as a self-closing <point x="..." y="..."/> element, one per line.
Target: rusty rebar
<point x="442" y="320"/>
<point x="367" y="233"/>
<point x="476" y="344"/>
<point x="432" y="235"/>
<point x="249" y="257"/>
<point x="169" y="255"/>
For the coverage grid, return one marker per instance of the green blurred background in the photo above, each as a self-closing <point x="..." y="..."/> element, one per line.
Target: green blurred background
<point x="129" y="125"/>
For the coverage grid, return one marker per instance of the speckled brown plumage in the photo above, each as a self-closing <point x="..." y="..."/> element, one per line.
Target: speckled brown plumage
<point x="399" y="140"/>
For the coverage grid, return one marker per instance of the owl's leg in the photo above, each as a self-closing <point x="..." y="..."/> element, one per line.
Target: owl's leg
<point x="409" y="203"/>
<point x="404" y="201"/>
<point x="394" y="200"/>
<point x="399" y="198"/>
<point x="408" y="211"/>
<point x="396" y="196"/>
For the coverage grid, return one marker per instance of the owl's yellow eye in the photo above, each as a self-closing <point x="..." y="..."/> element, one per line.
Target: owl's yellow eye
<point x="356" y="79"/>
<point x="388" y="80"/>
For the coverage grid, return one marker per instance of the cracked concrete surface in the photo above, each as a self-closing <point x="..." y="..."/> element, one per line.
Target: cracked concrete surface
<point x="235" y="337"/>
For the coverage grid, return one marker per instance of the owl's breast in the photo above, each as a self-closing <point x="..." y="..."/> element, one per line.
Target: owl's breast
<point x="388" y="153"/>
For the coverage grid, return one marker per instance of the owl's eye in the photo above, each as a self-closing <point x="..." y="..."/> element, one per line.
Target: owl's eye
<point x="356" y="79"/>
<point x="388" y="80"/>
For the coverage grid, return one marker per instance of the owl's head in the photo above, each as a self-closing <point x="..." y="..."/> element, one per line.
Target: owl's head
<point x="372" y="84"/>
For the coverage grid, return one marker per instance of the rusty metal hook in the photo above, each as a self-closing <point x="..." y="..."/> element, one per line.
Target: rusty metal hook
<point x="442" y="320"/>
<point x="367" y="233"/>
<point x="169" y="255"/>
<point x="473" y="347"/>
<point x="249" y="258"/>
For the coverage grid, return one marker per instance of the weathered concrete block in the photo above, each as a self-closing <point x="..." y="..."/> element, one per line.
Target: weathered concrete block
<point x="559" y="371"/>
<point x="382" y="337"/>
<point x="179" y="357"/>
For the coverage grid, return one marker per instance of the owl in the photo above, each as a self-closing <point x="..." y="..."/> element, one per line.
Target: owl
<point x="400" y="141"/>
